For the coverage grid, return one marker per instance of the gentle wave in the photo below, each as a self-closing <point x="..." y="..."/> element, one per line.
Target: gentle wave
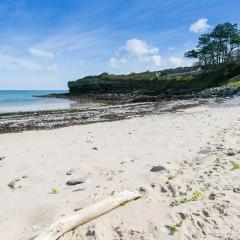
<point x="24" y="100"/>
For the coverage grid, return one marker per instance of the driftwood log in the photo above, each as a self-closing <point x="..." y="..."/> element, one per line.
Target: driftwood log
<point x="68" y="223"/>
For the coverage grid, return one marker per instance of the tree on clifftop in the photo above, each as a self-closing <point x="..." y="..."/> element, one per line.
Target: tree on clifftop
<point x="220" y="46"/>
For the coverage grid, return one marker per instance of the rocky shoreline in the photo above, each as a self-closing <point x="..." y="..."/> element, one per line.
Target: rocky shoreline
<point x="110" y="107"/>
<point x="139" y="97"/>
<point x="22" y="121"/>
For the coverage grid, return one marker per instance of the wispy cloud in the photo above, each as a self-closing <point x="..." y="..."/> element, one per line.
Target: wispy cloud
<point x="175" y="61"/>
<point x="74" y="38"/>
<point x="40" y="53"/>
<point x="136" y="51"/>
<point x="12" y="62"/>
<point x="200" y="26"/>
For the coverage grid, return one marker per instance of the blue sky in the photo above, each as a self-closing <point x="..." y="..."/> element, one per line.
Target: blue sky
<point x="44" y="44"/>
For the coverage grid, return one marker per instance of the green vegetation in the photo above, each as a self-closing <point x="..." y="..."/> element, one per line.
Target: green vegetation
<point x="175" y="175"/>
<point x="234" y="82"/>
<point x="219" y="47"/>
<point x="54" y="191"/>
<point x="175" y="228"/>
<point x="166" y="81"/>
<point x="197" y="195"/>
<point x="235" y="166"/>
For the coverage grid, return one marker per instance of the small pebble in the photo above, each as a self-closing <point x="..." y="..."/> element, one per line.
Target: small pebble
<point x="12" y="183"/>
<point x="70" y="172"/>
<point x="79" y="190"/>
<point x="73" y="182"/>
<point x="142" y="189"/>
<point x="163" y="189"/>
<point x="158" y="169"/>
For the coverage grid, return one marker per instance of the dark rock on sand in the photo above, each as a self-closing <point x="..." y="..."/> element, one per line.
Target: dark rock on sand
<point x="73" y="182"/>
<point x="142" y="190"/>
<point x="163" y="189"/>
<point x="70" y="172"/>
<point x="236" y="190"/>
<point x="12" y="183"/>
<point x="204" y="151"/>
<point x="212" y="196"/>
<point x="158" y="169"/>
<point x="79" y="190"/>
<point x="153" y="185"/>
<point x="230" y="153"/>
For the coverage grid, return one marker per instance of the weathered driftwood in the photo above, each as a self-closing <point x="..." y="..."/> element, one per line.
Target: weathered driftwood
<point x="87" y="214"/>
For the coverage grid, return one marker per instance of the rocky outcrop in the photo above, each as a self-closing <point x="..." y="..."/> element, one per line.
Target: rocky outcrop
<point x="92" y="85"/>
<point x="170" y="82"/>
<point x="134" y="82"/>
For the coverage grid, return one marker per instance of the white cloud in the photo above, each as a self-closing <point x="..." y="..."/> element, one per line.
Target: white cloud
<point x="40" y="53"/>
<point x="138" y="52"/>
<point x="138" y="47"/>
<point x="12" y="62"/>
<point x="115" y="62"/>
<point x="156" y="59"/>
<point x="52" y="68"/>
<point x="200" y="26"/>
<point x="176" y="62"/>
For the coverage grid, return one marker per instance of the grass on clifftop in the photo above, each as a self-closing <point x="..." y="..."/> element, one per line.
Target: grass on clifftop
<point x="179" y="79"/>
<point x="234" y="82"/>
<point x="228" y="75"/>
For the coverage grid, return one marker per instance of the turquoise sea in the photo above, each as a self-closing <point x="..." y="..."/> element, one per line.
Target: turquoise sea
<point x="23" y="100"/>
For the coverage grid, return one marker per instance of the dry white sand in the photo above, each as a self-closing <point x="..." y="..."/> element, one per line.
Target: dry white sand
<point x="196" y="146"/>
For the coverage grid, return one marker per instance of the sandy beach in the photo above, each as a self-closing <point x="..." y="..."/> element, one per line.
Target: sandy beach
<point x="196" y="195"/>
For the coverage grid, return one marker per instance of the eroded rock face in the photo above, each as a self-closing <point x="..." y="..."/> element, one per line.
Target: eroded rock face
<point x="92" y="85"/>
<point x="146" y="84"/>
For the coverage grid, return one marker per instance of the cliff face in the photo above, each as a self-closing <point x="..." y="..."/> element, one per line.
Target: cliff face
<point x="110" y="83"/>
<point x="95" y="85"/>
<point x="173" y="80"/>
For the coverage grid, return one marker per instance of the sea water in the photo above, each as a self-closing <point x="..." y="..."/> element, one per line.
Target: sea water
<point x="24" y="100"/>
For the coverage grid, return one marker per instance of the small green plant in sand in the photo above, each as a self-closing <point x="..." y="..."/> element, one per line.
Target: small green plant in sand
<point x="54" y="191"/>
<point x="175" y="175"/>
<point x="175" y="228"/>
<point x="197" y="195"/>
<point x="235" y="166"/>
